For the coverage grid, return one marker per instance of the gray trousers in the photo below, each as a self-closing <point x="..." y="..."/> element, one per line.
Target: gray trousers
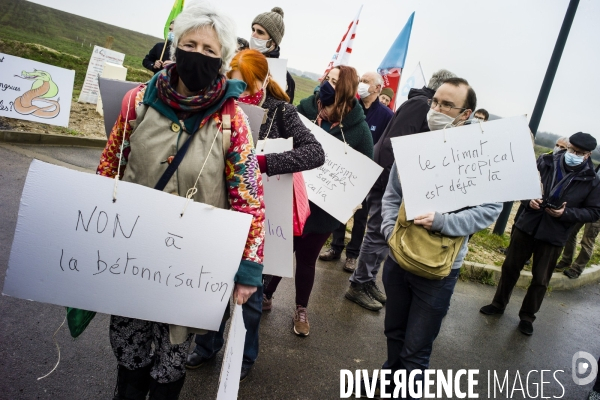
<point x="590" y="233"/>
<point x="374" y="249"/>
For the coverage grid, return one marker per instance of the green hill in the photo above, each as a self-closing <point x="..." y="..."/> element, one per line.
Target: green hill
<point x="66" y="40"/>
<point x="304" y="88"/>
<point x="55" y="37"/>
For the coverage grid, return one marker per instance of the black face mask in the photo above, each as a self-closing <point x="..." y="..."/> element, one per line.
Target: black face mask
<point x="196" y="70"/>
<point x="327" y="94"/>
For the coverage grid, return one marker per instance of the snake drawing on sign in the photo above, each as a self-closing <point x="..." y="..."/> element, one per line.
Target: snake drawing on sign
<point x="38" y="100"/>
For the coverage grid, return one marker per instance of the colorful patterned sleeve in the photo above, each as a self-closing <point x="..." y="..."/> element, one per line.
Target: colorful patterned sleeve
<point x="109" y="160"/>
<point x="245" y="189"/>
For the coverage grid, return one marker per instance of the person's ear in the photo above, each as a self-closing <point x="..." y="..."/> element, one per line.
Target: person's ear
<point x="378" y="89"/>
<point x="466" y="114"/>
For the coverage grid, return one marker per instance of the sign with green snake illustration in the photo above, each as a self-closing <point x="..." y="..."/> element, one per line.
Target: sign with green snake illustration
<point x="34" y="91"/>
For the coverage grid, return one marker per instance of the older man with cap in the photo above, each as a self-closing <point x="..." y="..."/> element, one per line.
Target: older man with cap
<point x="571" y="194"/>
<point x="267" y="33"/>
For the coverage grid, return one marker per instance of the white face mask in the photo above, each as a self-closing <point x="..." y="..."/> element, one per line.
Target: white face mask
<point x="363" y="90"/>
<point x="259" y="44"/>
<point x="437" y="120"/>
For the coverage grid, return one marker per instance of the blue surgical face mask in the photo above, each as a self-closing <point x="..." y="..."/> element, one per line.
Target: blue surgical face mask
<point x="171" y="36"/>
<point x="573" y="160"/>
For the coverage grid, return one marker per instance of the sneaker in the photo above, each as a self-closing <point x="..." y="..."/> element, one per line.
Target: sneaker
<point x="526" y="327"/>
<point x="195" y="360"/>
<point x="571" y="273"/>
<point x="301" y="326"/>
<point x="491" y="309"/>
<point x="594" y="395"/>
<point x="350" y="265"/>
<point x="330" y="255"/>
<point x="375" y="292"/>
<point x="358" y="294"/>
<point x="267" y="303"/>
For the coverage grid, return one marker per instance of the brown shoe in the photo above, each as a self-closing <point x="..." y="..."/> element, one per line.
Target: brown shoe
<point x="267" y="303"/>
<point x="350" y="265"/>
<point x="330" y="255"/>
<point x="301" y="326"/>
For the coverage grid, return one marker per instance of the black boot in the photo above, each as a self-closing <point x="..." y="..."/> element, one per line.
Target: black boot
<point x="165" y="391"/>
<point x="132" y="384"/>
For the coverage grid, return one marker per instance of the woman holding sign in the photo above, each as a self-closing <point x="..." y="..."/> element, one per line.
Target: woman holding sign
<point x="282" y="121"/>
<point x="337" y="111"/>
<point x="191" y="138"/>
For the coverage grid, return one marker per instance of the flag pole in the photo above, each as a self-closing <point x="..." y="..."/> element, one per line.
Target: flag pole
<point x="163" y="50"/>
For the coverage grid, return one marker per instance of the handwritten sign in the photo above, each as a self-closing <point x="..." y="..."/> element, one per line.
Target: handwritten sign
<point x="100" y="55"/>
<point x="467" y="166"/>
<point x="278" y="70"/>
<point x="135" y="257"/>
<point x="229" y="380"/>
<point x="279" y="229"/>
<point x="256" y="116"/>
<point x="342" y="183"/>
<point x="32" y="91"/>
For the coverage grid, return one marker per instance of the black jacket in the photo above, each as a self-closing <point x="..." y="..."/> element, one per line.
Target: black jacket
<point x="154" y="55"/>
<point x="582" y="196"/>
<point x="291" y="84"/>
<point x="307" y="153"/>
<point x="410" y="117"/>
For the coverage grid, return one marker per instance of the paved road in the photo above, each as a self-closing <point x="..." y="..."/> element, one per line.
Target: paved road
<point x="343" y="335"/>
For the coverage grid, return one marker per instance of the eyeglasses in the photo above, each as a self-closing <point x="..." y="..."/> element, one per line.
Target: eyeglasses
<point x="433" y="103"/>
<point x="577" y="153"/>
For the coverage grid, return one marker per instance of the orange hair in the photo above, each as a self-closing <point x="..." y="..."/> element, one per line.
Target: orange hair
<point x="253" y="66"/>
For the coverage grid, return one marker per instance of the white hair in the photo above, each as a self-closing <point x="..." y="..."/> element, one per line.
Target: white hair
<point x="377" y="78"/>
<point x="202" y="14"/>
<point x="438" y="78"/>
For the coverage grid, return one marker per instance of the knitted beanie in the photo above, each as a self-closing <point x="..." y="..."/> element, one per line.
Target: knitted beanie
<point x="388" y="92"/>
<point x="273" y="23"/>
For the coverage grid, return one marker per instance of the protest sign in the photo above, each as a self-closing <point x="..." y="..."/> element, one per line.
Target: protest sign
<point x="136" y="257"/>
<point x="278" y="70"/>
<point x="229" y="380"/>
<point x="341" y="184"/>
<point x="36" y="92"/>
<point x="467" y="166"/>
<point x="256" y="116"/>
<point x="112" y="92"/>
<point x="279" y="229"/>
<point x="100" y="55"/>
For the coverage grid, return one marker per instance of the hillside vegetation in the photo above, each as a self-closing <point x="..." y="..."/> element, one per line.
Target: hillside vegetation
<point x="55" y="37"/>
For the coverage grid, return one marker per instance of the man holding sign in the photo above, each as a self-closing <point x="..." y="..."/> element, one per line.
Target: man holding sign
<point x="416" y="305"/>
<point x="571" y="195"/>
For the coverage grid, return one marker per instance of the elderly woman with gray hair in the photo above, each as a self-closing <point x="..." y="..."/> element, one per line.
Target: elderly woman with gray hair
<point x="185" y="110"/>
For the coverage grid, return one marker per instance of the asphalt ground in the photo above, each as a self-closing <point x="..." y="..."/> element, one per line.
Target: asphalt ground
<point x="343" y="335"/>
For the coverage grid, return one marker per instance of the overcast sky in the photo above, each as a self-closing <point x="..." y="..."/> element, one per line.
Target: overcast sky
<point x="501" y="47"/>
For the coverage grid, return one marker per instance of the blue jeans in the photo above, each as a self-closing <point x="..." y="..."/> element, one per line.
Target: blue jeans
<point x="414" y="311"/>
<point x="209" y="344"/>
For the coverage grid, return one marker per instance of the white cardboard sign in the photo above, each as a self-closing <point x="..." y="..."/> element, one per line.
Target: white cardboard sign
<point x="279" y="229"/>
<point x="36" y="92"/>
<point x="229" y="380"/>
<point x="278" y="70"/>
<point x="467" y="166"/>
<point x="342" y="183"/>
<point x="256" y="117"/>
<point x="100" y="55"/>
<point x="135" y="257"/>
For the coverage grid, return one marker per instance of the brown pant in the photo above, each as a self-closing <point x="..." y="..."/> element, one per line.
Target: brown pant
<point x="521" y="247"/>
<point x="588" y="240"/>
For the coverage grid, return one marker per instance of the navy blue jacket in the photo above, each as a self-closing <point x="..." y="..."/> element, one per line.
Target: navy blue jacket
<point x="377" y="116"/>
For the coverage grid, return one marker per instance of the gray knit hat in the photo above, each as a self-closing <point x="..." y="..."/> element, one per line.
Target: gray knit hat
<point x="273" y="23"/>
